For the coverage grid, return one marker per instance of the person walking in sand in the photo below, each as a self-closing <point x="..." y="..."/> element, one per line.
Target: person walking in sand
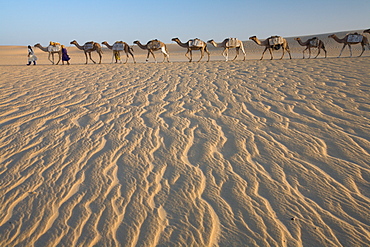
<point x="65" y="56"/>
<point x="31" y="56"/>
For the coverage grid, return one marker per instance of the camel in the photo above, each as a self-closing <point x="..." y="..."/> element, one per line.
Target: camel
<point x="51" y="50"/>
<point x="227" y="44"/>
<point x="351" y="39"/>
<point x="121" y="46"/>
<point x="270" y="43"/>
<point x="312" y="43"/>
<point x="193" y="44"/>
<point x="89" y="47"/>
<point x="154" y="45"/>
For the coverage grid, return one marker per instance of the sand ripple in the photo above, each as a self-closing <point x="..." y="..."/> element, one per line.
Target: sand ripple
<point x="210" y="154"/>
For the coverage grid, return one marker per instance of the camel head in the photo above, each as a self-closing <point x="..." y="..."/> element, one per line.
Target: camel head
<point x="212" y="42"/>
<point x="367" y="31"/>
<point x="136" y="42"/>
<point x="73" y="42"/>
<point x="175" y="39"/>
<point x="253" y="38"/>
<point x="104" y="43"/>
<point x="297" y="38"/>
<point x="37" y="45"/>
<point x="332" y="36"/>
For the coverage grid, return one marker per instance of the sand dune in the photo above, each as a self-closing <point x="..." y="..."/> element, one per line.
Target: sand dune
<point x="271" y="153"/>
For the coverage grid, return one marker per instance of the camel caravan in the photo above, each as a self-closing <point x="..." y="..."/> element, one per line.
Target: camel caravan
<point x="273" y="43"/>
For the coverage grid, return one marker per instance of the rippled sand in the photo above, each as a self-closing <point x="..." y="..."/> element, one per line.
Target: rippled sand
<point x="271" y="153"/>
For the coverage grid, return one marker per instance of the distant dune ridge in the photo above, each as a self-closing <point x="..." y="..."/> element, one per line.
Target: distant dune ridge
<point x="243" y="153"/>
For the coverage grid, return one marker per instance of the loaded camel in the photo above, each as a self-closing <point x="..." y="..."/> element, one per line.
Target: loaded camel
<point x="51" y="49"/>
<point x="352" y="39"/>
<point x="273" y="42"/>
<point x="154" y="45"/>
<point x="89" y="47"/>
<point x="117" y="47"/>
<point x="193" y="44"/>
<point x="227" y="44"/>
<point x="312" y="43"/>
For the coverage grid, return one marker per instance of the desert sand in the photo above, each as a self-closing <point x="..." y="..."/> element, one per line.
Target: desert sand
<point x="242" y="153"/>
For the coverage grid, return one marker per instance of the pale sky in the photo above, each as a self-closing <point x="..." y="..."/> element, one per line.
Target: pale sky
<point x="28" y="22"/>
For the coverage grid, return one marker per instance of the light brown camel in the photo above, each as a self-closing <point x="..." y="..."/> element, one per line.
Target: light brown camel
<point x="352" y="39"/>
<point x="117" y="47"/>
<point x="270" y="44"/>
<point x="227" y="44"/>
<point x="193" y="44"/>
<point x="89" y="47"/>
<point x="154" y="45"/>
<point x="312" y="43"/>
<point x="51" y="50"/>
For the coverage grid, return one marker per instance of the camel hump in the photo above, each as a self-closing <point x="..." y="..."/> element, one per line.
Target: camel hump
<point x="276" y="40"/>
<point x="89" y="45"/>
<point x="314" y="42"/>
<point x="154" y="44"/>
<point x="196" y="43"/>
<point x="118" y="46"/>
<point x="232" y="42"/>
<point x="54" y="47"/>
<point x="354" y="38"/>
<point x="54" y="43"/>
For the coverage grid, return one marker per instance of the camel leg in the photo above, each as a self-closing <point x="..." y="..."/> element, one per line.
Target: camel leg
<point x="237" y="53"/>
<point x="283" y="53"/>
<point x="154" y="56"/>
<point x="309" y="52"/>
<point x="201" y="54"/>
<point x="263" y="53"/>
<point x="165" y="54"/>
<point x="132" y="56"/>
<point x="127" y="57"/>
<point x="187" y="55"/>
<point x="147" y="56"/>
<point x="86" y="57"/>
<point x="288" y="50"/>
<point x="100" y="57"/>
<point x="318" y="52"/>
<point x="363" y="49"/>
<point x="225" y="53"/>
<point x="350" y="50"/>
<point x="340" y="54"/>
<point x="304" y="51"/>
<point x="243" y="53"/>
<point x="91" y="57"/>
<point x="209" y="54"/>
<point x="59" y="57"/>
<point x="52" y="61"/>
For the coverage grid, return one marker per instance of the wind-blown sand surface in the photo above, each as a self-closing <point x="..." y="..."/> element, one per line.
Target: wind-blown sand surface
<point x="271" y="153"/>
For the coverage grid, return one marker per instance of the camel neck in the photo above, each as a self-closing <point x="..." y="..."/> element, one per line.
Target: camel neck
<point x="338" y="39"/>
<point x="185" y="45"/>
<point x="144" y="47"/>
<point x="78" y="46"/>
<point x="43" y="48"/>
<point x="301" y="43"/>
<point x="108" y="45"/>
